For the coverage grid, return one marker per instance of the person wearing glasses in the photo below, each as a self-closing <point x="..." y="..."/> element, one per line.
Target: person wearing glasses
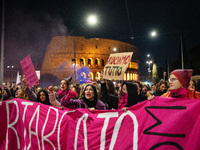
<point x="178" y="85"/>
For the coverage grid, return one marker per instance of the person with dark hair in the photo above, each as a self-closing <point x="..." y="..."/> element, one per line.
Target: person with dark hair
<point x="128" y="95"/>
<point x="198" y="85"/>
<point x="5" y="94"/>
<point x="55" y="97"/>
<point x="192" y="85"/>
<point x="13" y="89"/>
<point x="141" y="96"/>
<point x="153" y="89"/>
<point x="110" y="87"/>
<point x="162" y="88"/>
<point x="145" y="89"/>
<point x="64" y="88"/>
<point x="194" y="89"/>
<point x="89" y="99"/>
<point x="43" y="97"/>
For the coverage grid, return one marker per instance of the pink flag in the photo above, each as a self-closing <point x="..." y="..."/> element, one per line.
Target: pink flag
<point x="29" y="71"/>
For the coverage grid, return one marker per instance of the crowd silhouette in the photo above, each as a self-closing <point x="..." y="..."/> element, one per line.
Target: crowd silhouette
<point x="104" y="94"/>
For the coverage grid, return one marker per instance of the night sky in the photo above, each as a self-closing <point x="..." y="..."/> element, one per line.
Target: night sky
<point x="30" y="24"/>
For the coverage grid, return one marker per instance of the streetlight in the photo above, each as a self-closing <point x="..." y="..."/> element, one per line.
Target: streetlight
<point x="92" y="20"/>
<point x="149" y="69"/>
<point x="153" y="33"/>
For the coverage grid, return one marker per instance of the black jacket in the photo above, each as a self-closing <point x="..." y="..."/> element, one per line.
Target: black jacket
<point x="109" y="99"/>
<point x="159" y="92"/>
<point x="132" y="93"/>
<point x="112" y="100"/>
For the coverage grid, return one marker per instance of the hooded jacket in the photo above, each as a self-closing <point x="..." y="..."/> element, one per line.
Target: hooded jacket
<point x="114" y="101"/>
<point x="132" y="93"/>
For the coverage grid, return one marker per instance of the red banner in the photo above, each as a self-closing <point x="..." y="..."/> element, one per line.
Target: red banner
<point x="164" y="123"/>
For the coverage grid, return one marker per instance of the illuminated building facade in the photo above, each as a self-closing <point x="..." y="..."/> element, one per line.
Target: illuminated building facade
<point x="65" y="55"/>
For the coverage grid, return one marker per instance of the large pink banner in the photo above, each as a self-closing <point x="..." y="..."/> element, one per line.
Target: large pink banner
<point x="164" y="123"/>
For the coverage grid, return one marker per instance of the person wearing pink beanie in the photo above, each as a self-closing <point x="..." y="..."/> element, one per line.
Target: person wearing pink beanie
<point x="180" y="78"/>
<point x="178" y="82"/>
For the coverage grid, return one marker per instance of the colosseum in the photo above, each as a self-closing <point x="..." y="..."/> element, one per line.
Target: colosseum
<point x="66" y="55"/>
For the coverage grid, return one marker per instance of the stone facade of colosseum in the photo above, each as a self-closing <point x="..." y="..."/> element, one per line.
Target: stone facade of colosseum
<point x="59" y="58"/>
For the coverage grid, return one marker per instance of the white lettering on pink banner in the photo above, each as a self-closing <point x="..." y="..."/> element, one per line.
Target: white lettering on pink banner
<point x="164" y="123"/>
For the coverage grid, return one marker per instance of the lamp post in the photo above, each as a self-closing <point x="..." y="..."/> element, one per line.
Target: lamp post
<point x="153" y="34"/>
<point x="2" y="43"/>
<point x="149" y="69"/>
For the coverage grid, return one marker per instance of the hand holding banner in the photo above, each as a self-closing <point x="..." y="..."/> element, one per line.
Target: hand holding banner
<point x="164" y="123"/>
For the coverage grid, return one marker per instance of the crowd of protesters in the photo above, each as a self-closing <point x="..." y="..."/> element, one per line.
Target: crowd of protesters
<point x="104" y="94"/>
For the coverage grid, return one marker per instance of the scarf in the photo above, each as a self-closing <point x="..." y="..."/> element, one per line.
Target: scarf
<point x="61" y="93"/>
<point x="90" y="104"/>
<point x="179" y="93"/>
<point x="123" y="99"/>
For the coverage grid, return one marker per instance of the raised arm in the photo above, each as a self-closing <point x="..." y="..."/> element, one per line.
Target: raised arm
<point x="31" y="95"/>
<point x="52" y="97"/>
<point x="67" y="100"/>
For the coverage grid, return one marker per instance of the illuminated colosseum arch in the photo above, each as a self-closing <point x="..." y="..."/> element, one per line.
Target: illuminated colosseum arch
<point x="91" y="76"/>
<point x="97" y="77"/>
<point x="124" y="76"/>
<point x="137" y="77"/>
<point x="90" y="62"/>
<point x="97" y="62"/>
<point x="131" y="76"/>
<point x="82" y="61"/>
<point x="127" y="76"/>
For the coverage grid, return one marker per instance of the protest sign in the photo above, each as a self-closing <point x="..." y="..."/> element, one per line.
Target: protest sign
<point x="164" y="123"/>
<point x="29" y="71"/>
<point x="116" y="65"/>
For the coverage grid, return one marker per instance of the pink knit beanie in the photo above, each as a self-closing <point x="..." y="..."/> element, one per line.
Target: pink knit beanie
<point x="183" y="75"/>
